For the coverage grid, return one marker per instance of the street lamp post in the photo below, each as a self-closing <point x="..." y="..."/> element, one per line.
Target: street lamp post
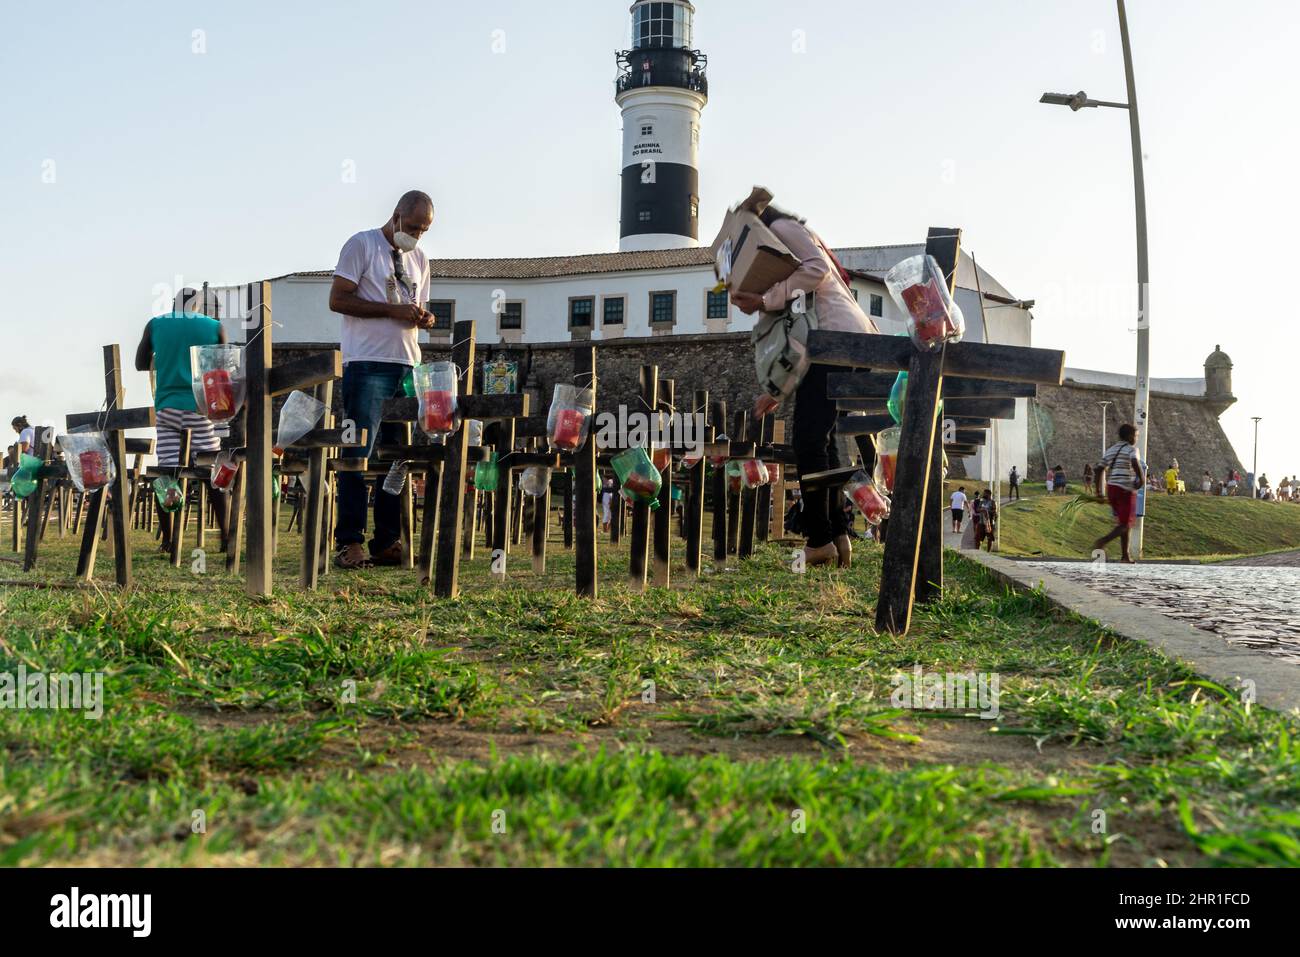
<point x="1104" y="404"/>
<point x="1142" y="398"/>
<point x="1254" y="464"/>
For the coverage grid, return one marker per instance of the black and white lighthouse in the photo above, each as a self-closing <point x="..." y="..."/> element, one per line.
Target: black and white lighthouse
<point x="662" y="89"/>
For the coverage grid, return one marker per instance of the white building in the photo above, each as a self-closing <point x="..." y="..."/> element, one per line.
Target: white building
<point x="660" y="283"/>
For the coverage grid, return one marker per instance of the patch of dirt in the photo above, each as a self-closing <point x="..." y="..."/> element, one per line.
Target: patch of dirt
<point x="430" y="742"/>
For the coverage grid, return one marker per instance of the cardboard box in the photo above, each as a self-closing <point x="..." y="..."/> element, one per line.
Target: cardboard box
<point x="747" y="255"/>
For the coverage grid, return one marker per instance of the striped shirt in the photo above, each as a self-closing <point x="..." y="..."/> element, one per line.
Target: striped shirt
<point x="170" y="423"/>
<point x="1118" y="463"/>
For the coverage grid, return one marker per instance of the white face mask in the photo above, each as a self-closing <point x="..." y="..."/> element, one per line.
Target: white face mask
<point x="405" y="241"/>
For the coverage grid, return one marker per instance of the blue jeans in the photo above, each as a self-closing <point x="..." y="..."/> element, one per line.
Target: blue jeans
<point x="366" y="387"/>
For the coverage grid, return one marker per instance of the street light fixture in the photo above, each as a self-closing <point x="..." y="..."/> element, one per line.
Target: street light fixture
<point x="1142" y="398"/>
<point x="1254" y="465"/>
<point x="1103" y="405"/>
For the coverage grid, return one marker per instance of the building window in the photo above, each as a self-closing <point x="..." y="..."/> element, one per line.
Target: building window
<point x="718" y="305"/>
<point x="644" y="216"/>
<point x="855" y="293"/>
<point x="877" y="305"/>
<point x="695" y="208"/>
<point x="647" y="129"/>
<point x="663" y="308"/>
<point x="661" y="25"/>
<point x="444" y="313"/>
<point x="512" y="315"/>
<point x="580" y="312"/>
<point x="614" y="308"/>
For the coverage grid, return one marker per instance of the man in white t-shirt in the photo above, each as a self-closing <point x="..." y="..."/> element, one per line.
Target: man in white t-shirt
<point x="380" y="284"/>
<point x="958" y="508"/>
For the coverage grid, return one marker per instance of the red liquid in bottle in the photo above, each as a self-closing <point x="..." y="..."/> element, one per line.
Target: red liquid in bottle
<point x="755" y="473"/>
<point x="888" y="463"/>
<point x="871" y="504"/>
<point x="224" y="476"/>
<point x="218" y="394"/>
<point x="929" y="314"/>
<point x="439" y="411"/>
<point x="94" y="470"/>
<point x="640" y="486"/>
<point x="568" y="429"/>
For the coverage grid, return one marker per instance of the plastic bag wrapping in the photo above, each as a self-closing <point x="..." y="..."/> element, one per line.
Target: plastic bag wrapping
<point x="299" y="416"/>
<point x="569" y="420"/>
<point x="436" y="387"/>
<point x="218" y="381"/>
<point x="90" y="466"/>
<point x="919" y="289"/>
<point x="638" y="478"/>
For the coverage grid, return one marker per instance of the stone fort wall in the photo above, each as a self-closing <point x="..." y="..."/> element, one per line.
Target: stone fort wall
<point x="1065" y="429"/>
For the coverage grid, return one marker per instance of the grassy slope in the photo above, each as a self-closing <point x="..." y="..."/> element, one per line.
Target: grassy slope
<point x="1179" y="526"/>
<point x="771" y="738"/>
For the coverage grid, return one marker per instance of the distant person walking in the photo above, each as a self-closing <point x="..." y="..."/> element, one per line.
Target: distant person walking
<point x="165" y="346"/>
<point x="1124" y="478"/>
<point x="1088" y="475"/>
<point x="1058" y="480"/>
<point x="381" y="279"/>
<point x="1051" y="480"/>
<point x="1207" y="482"/>
<point x="958" y="508"/>
<point x="607" y="504"/>
<point x="1015" y="483"/>
<point x="821" y="275"/>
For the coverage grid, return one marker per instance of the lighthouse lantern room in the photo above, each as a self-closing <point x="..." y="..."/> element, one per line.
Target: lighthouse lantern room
<point x="661" y="88"/>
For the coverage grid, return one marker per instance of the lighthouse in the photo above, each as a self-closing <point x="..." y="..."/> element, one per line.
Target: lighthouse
<point x="661" y="89"/>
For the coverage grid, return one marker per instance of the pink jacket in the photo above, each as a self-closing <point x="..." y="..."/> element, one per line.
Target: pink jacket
<point x="837" y="310"/>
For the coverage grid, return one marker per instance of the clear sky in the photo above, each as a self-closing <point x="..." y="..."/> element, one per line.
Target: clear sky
<point x="146" y="141"/>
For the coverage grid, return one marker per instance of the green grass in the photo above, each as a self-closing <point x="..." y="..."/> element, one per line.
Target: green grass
<point x="744" y="719"/>
<point x="1199" y="527"/>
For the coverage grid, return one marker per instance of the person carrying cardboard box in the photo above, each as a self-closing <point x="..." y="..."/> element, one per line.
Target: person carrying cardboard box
<point x="774" y="264"/>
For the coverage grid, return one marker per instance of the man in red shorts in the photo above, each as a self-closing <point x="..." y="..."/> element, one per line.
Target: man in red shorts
<point x="1124" y="477"/>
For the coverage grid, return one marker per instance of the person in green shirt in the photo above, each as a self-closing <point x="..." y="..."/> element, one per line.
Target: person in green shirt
<point x="165" y="346"/>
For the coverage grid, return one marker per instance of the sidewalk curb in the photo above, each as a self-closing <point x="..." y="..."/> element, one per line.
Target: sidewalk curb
<point x="1277" y="684"/>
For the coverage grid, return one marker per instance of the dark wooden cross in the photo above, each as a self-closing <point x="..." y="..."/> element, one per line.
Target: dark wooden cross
<point x="113" y="424"/>
<point x="913" y="563"/>
<point x="264" y="382"/>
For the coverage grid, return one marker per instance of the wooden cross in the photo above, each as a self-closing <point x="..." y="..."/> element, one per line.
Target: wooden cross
<point x="913" y="563"/>
<point x="113" y="424"/>
<point x="264" y="382"/>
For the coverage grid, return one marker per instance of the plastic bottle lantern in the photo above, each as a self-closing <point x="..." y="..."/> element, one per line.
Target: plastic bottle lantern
<point x="918" y="287"/>
<point x="662" y="458"/>
<point x="897" y="396"/>
<point x="224" y="470"/>
<point x="535" y="481"/>
<point x="717" y="460"/>
<point x="24" y="480"/>
<point x="867" y="497"/>
<point x="638" y="478"/>
<point x="217" y="380"/>
<point x="486" y="474"/>
<point x="887" y="457"/>
<point x="570" y="417"/>
<point x="753" y="474"/>
<point x="168" y="492"/>
<point x="474" y="431"/>
<point x="408" y="384"/>
<point x="298" y="417"/>
<point x="86" y="455"/>
<point x="734" y="480"/>
<point x="435" y="384"/>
